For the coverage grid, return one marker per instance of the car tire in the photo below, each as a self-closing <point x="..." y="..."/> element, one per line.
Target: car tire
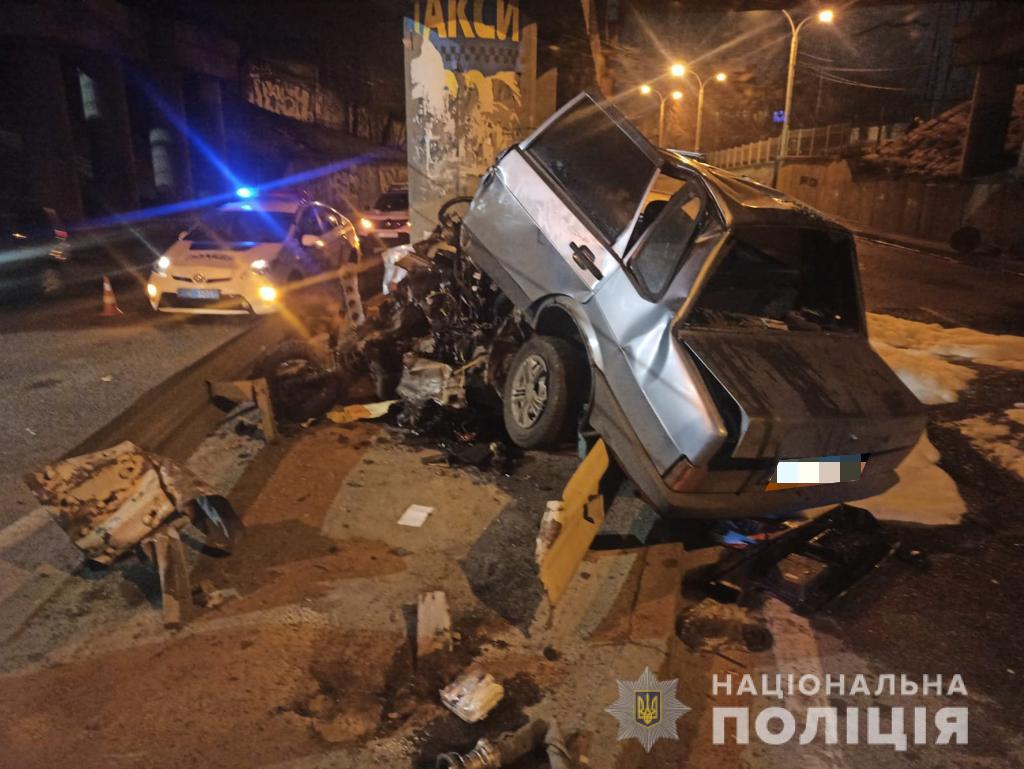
<point x="541" y="392"/>
<point x="300" y="383"/>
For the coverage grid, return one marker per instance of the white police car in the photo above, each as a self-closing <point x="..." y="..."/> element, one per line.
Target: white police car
<point x="236" y="259"/>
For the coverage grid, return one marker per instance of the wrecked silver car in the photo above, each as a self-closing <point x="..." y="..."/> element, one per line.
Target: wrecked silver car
<point x="709" y="328"/>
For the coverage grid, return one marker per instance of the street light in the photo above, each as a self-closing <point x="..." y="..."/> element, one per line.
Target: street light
<point x="825" y="16"/>
<point x="646" y="90"/>
<point x="679" y="70"/>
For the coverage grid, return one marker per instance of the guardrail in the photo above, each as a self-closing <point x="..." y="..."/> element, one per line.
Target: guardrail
<point x="823" y="141"/>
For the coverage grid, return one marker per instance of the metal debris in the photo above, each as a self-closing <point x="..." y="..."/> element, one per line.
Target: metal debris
<point x="433" y="624"/>
<point x="109" y="501"/>
<point x="569" y="527"/>
<point x="510" y="747"/>
<point x="808" y="565"/>
<point x="359" y="411"/>
<point x="112" y="501"/>
<point x="225" y="395"/>
<point x="472" y="695"/>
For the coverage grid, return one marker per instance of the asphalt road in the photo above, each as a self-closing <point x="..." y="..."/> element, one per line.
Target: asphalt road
<point x="67" y="372"/>
<point x="932" y="288"/>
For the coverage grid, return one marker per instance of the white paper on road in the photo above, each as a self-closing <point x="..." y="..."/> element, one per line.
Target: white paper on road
<point x="415" y="515"/>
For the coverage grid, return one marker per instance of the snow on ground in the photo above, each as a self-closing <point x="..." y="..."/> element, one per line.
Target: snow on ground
<point x="925" y="493"/>
<point x="1000" y="437"/>
<point x="920" y="354"/>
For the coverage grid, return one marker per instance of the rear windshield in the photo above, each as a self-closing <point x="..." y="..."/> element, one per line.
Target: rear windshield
<point x="393" y="201"/>
<point x="242" y="227"/>
<point x="784" y="278"/>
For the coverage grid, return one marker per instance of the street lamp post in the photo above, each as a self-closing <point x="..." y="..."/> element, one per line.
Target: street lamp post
<point x="680" y="70"/>
<point x="647" y="89"/>
<point x="826" y="17"/>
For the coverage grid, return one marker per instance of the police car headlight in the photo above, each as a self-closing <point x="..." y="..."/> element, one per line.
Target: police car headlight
<point x="365" y="224"/>
<point x="259" y="266"/>
<point x="162" y="264"/>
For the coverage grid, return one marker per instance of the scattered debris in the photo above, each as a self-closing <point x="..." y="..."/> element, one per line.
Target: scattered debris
<point x="107" y="378"/>
<point x="359" y="411"/>
<point x="510" y="747"/>
<point x="472" y="695"/>
<point x="578" y="520"/>
<point x="808" y="565"/>
<point x="225" y="395"/>
<point x="433" y="624"/>
<point x="111" y="501"/>
<point x="415" y="515"/>
<point x="210" y="597"/>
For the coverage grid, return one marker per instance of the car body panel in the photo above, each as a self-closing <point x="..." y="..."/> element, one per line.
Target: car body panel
<point x="667" y="395"/>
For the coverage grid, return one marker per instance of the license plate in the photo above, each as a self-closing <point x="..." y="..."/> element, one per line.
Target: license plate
<point x="199" y="293"/>
<point x="793" y="473"/>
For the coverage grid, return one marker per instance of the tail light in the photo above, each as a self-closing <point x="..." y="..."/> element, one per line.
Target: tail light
<point x="683" y="476"/>
<point x="62" y="234"/>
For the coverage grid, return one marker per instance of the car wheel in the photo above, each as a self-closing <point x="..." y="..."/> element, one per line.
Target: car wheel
<point x="541" y="392"/>
<point x="301" y="386"/>
<point x="51" y="282"/>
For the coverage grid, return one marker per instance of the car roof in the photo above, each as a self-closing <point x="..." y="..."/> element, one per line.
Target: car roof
<point x="748" y="201"/>
<point x="273" y="203"/>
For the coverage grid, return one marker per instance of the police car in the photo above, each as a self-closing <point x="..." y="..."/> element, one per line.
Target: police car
<point x="237" y="259"/>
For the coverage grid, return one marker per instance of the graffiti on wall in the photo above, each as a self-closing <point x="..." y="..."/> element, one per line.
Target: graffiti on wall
<point x="306" y="100"/>
<point x="464" y="97"/>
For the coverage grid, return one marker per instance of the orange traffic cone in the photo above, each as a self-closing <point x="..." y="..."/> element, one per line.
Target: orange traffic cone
<point x="110" y="307"/>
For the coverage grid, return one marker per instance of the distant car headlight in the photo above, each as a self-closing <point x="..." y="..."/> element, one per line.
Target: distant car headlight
<point x="365" y="224"/>
<point x="268" y="293"/>
<point x="259" y="266"/>
<point x="162" y="264"/>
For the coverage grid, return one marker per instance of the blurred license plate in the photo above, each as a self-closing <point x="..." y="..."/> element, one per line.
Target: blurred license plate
<point x="792" y="473"/>
<point x="199" y="293"/>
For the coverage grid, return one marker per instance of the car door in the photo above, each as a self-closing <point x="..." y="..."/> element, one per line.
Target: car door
<point x="337" y="250"/>
<point x="581" y="180"/>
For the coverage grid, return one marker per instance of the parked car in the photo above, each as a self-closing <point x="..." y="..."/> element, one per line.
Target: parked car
<point x="33" y="252"/>
<point x="709" y="328"/>
<point x="387" y="223"/>
<point x="236" y="259"/>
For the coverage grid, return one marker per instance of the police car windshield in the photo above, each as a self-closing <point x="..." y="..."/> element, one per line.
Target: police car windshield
<point x="242" y="227"/>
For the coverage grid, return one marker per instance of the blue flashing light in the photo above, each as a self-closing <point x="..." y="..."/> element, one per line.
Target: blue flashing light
<point x="245" y="192"/>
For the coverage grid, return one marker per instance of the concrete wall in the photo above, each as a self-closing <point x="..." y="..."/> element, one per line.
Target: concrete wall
<point x="910" y="206"/>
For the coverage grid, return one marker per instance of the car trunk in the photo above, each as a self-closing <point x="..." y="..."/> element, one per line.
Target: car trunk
<point x="805" y="394"/>
<point x="777" y="332"/>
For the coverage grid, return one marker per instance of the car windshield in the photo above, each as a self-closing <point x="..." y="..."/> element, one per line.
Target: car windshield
<point x="393" y="201"/>
<point x="253" y="226"/>
<point x="783" y="278"/>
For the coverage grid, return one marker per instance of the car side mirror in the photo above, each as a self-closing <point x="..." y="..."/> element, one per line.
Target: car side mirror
<point x="312" y="241"/>
<point x="182" y="234"/>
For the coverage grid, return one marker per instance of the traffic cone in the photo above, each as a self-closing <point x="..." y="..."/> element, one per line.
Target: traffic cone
<point x="110" y="308"/>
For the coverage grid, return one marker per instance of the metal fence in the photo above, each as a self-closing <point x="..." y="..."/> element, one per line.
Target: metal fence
<point x="824" y="141"/>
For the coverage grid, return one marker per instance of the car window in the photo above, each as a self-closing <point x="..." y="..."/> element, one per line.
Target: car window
<point x="393" y="201"/>
<point x="663" y="234"/>
<point x="330" y="218"/>
<point x="788" y="278"/>
<point x="600" y="167"/>
<point x="238" y="226"/>
<point x="309" y="224"/>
